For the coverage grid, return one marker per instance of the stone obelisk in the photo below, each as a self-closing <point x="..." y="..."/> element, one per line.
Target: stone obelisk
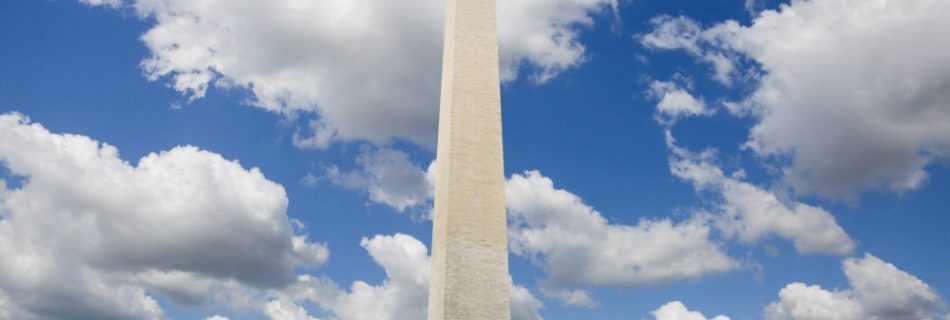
<point x="469" y="238"/>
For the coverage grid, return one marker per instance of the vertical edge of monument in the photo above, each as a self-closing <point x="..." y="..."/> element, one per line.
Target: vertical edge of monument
<point x="470" y="277"/>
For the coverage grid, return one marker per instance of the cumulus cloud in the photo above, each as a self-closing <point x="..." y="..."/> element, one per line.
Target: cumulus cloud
<point x="677" y="311"/>
<point x="878" y="291"/>
<point x="672" y="33"/>
<point x="524" y="306"/>
<point x="388" y="176"/>
<point x="674" y="102"/>
<point x="578" y="247"/>
<point x="751" y="213"/>
<point x="553" y="228"/>
<point x="286" y="310"/>
<point x="800" y="301"/>
<point x="852" y="95"/>
<point x="544" y="34"/>
<point x="368" y="68"/>
<point x="744" y="211"/>
<point x="403" y="295"/>
<point x="87" y="233"/>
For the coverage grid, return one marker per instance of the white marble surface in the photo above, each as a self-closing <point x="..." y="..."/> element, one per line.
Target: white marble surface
<point x="469" y="252"/>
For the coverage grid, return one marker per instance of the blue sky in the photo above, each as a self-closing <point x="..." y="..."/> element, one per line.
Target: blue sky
<point x="829" y="121"/>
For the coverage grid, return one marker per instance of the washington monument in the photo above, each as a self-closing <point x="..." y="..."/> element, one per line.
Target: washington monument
<point x="469" y="236"/>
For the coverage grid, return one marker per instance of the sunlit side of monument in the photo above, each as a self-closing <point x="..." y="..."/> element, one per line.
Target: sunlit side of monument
<point x="469" y="239"/>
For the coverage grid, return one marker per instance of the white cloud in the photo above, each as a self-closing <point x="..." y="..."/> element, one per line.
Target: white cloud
<point x="524" y="306"/>
<point x="554" y="228"/>
<point x="309" y="180"/>
<point x="672" y="33"/>
<point x="388" y="176"/>
<point x="86" y="234"/>
<point x="753" y="7"/>
<point x="578" y="247"/>
<point x="751" y="213"/>
<point x="217" y="317"/>
<point x="887" y="292"/>
<point x="109" y="3"/>
<point x="286" y="310"/>
<point x="677" y="311"/>
<point x="878" y="291"/>
<point x="369" y="68"/>
<point x="569" y="296"/>
<point x="854" y="94"/>
<point x="544" y="34"/>
<point x="798" y="301"/>
<point x="402" y="296"/>
<point x="675" y="102"/>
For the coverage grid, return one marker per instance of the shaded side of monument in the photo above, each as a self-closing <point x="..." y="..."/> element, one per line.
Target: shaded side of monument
<point x="470" y="277"/>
